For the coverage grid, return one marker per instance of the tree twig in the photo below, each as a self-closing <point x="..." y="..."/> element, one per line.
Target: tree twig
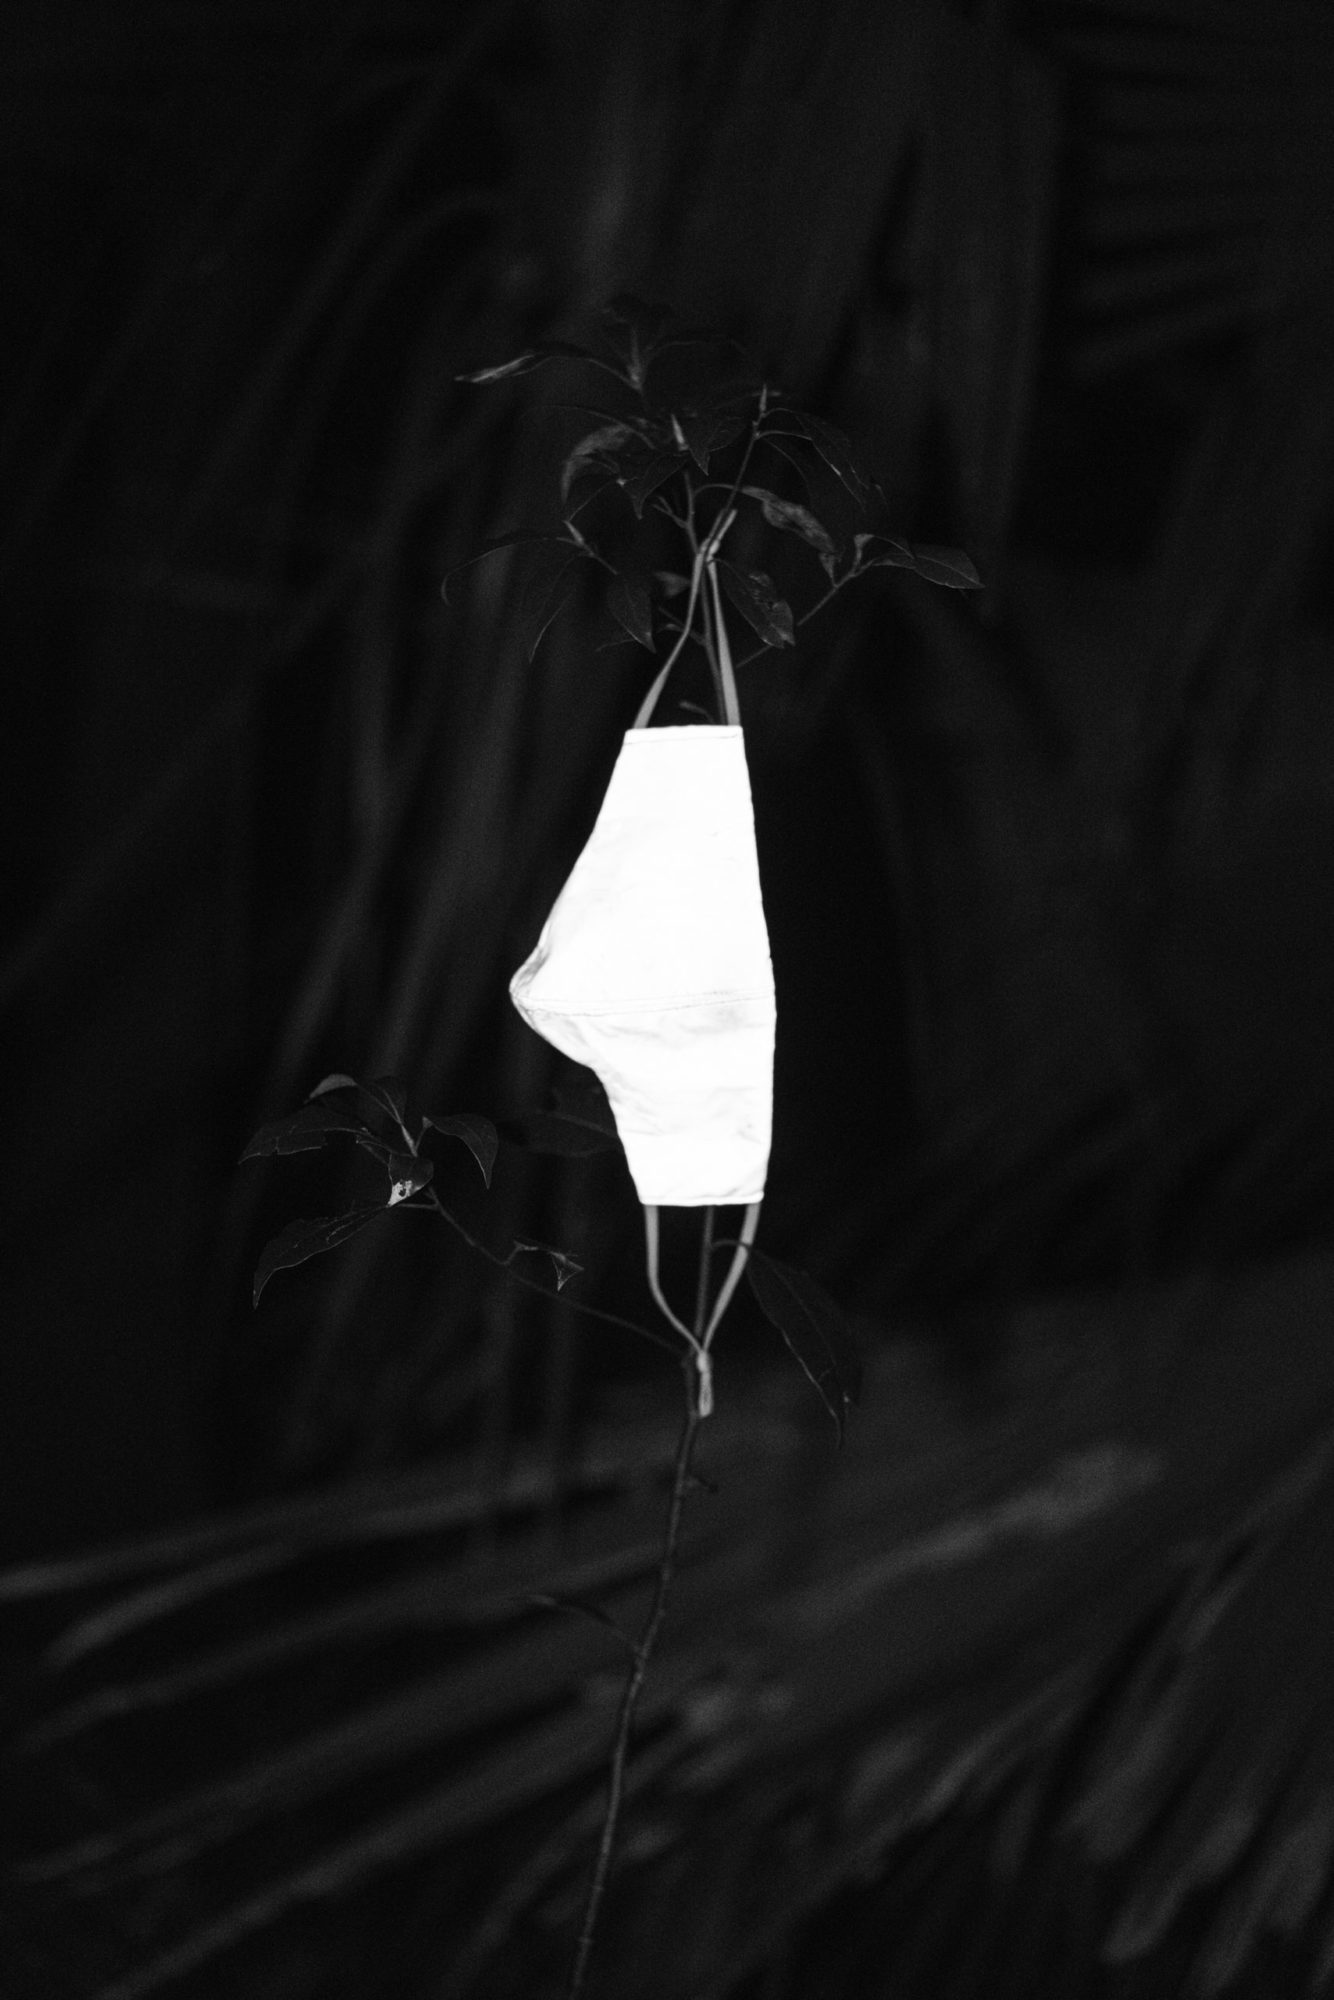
<point x="648" y="1638"/>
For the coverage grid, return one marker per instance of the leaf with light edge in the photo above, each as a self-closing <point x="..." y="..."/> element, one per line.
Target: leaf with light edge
<point x="950" y="567"/>
<point x="816" y="1330"/>
<point x="752" y="592"/>
<point x="478" y="1134"/>
<point x="797" y="520"/>
<point x="532" y="357"/>
<point x="629" y="604"/>
<point x="596" y="452"/>
<point x="310" y="1237"/>
<point x="832" y="446"/>
<point x="515" y="538"/>
<point x="564" y="1266"/>
<point x="303" y="1131"/>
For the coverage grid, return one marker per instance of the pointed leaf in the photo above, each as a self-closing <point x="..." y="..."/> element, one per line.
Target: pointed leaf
<point x="532" y="357"/>
<point x="796" y="520"/>
<point x="753" y="594"/>
<point x="568" y="1137"/>
<point x="705" y="432"/>
<point x="628" y="603"/>
<point x="479" y="1135"/>
<point x="565" y="1267"/>
<point x="817" y="1331"/>
<point x="308" y="1238"/>
<point x="945" y="566"/>
<point x="408" y="1175"/>
<point x="597" y="451"/>
<point x="546" y="595"/>
<point x="883" y="552"/>
<point x="800" y="466"/>
<point x="514" y="539"/>
<point x="581" y="1095"/>
<point x="335" y="1082"/>
<point x="831" y="444"/>
<point x="948" y="566"/>
<point x="655" y="472"/>
<point x="390" y="1095"/>
<point x="303" y="1132"/>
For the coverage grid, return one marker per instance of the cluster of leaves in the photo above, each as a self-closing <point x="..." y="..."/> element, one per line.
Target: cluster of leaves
<point x="378" y="1119"/>
<point x="696" y="445"/>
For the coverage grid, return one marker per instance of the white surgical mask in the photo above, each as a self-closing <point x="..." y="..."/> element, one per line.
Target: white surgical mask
<point x="653" y="968"/>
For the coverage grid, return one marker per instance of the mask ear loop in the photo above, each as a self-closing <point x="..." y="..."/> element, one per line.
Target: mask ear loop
<point x="750" y="1223"/>
<point x="699" y="1345"/>
<point x="731" y="706"/>
<point x="696" y="1346"/>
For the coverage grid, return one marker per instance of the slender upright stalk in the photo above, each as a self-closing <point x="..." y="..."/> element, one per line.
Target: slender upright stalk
<point x="648" y="1638"/>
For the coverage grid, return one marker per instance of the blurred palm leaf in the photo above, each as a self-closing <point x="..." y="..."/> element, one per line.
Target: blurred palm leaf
<point x="1110" y="1572"/>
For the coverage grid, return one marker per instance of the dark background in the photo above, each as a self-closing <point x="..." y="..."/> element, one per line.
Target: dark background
<point x="1047" y="870"/>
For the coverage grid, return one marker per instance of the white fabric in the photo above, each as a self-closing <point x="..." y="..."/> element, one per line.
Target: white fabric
<point x="654" y="970"/>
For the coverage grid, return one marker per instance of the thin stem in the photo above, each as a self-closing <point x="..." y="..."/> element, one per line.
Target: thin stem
<point x="433" y="1204"/>
<point x="648" y="1639"/>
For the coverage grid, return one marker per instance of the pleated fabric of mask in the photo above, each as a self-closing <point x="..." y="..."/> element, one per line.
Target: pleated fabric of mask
<point x="653" y="968"/>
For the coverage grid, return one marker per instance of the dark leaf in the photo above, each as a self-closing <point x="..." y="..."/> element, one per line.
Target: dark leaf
<point x="565" y="1267"/>
<point x="479" y="1135"/>
<point x="817" y="1331"/>
<point x="581" y="1095"/>
<point x="389" y="1094"/>
<point x="707" y="431"/>
<point x="753" y="594"/>
<point x="946" y="566"/>
<point x="516" y="538"/>
<point x="569" y="1137"/>
<point x="303" y="1132"/>
<point x="533" y="357"/>
<point x="628" y="603"/>
<point x="831" y="444"/>
<point x="672" y="584"/>
<point x="545" y="596"/>
<point x="597" y="452"/>
<point x="335" y="1082"/>
<point x="882" y="552"/>
<point x="309" y="1238"/>
<point x="801" y="466"/>
<point x="640" y="425"/>
<point x="655" y="472"/>
<point x="408" y="1175"/>
<point x="795" y="519"/>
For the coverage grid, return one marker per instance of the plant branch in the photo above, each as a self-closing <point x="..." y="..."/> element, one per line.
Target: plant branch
<point x="433" y="1204"/>
<point x="648" y="1639"/>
